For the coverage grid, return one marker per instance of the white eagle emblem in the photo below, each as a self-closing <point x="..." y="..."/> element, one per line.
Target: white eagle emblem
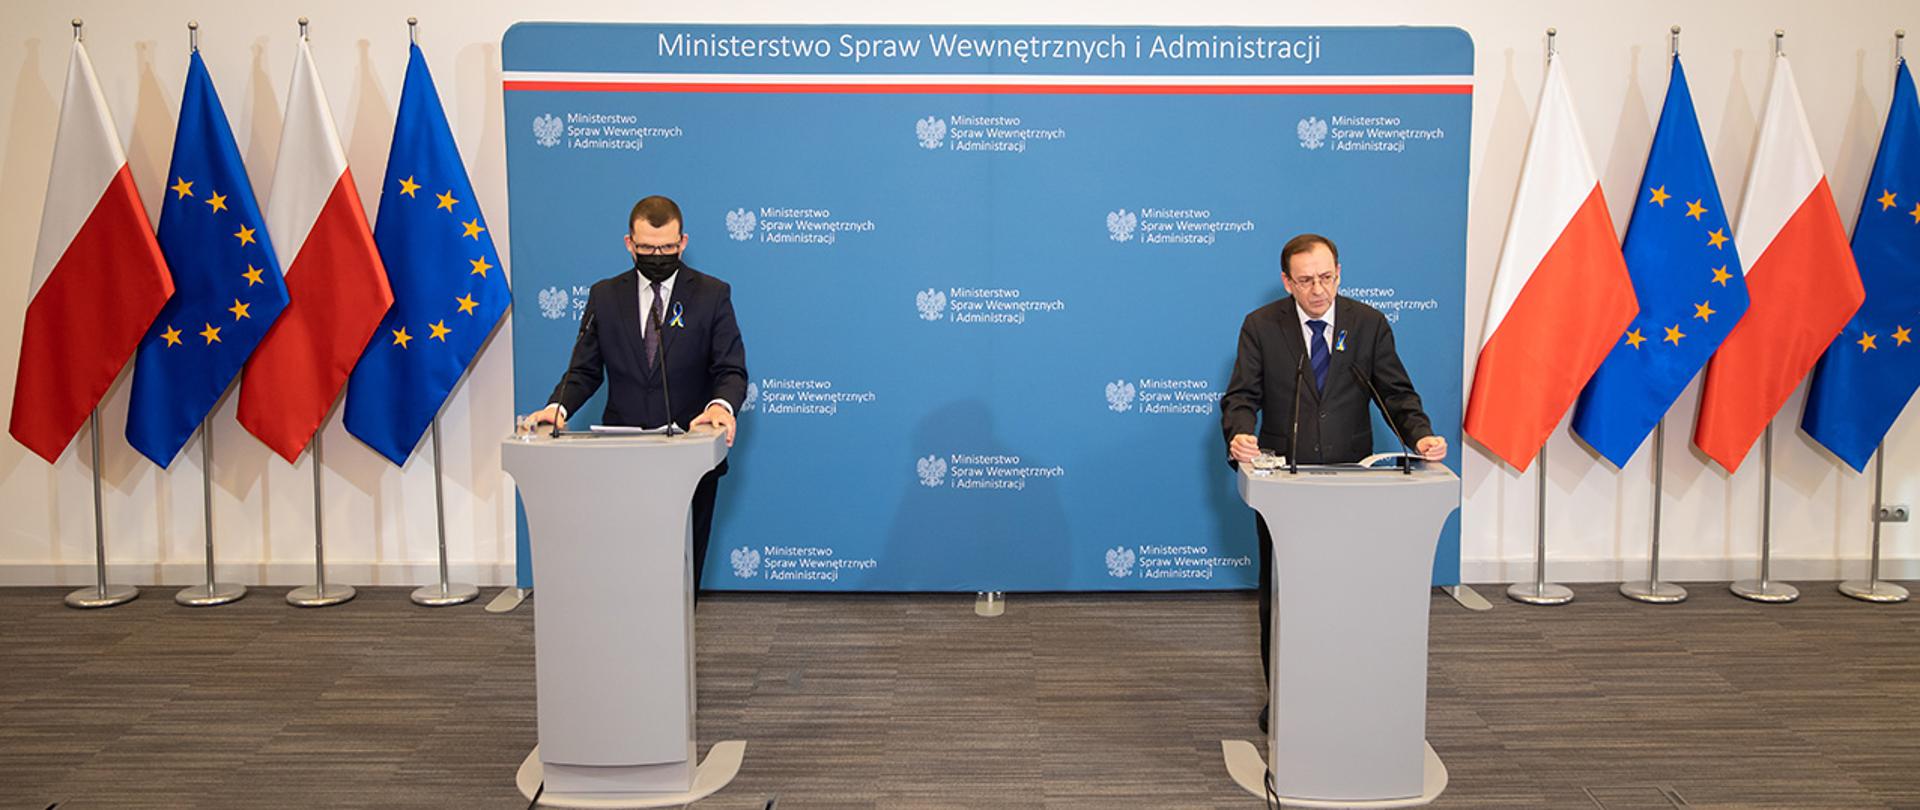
<point x="553" y="303"/>
<point x="740" y="224"/>
<point x="746" y="562"/>
<point x="1120" y="562"/>
<point x="931" y="131"/>
<point x="932" y="304"/>
<point x="932" y="470"/>
<point x="1312" y="132"/>
<point x="1120" y="395"/>
<point x="753" y="394"/>
<point x="547" y="129"/>
<point x="1120" y="225"/>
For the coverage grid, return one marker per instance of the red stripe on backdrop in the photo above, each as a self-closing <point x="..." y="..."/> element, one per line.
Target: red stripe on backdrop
<point x="87" y="319"/>
<point x="1574" y="307"/>
<point x="337" y="291"/>
<point x="1803" y="288"/>
<point x="982" y="89"/>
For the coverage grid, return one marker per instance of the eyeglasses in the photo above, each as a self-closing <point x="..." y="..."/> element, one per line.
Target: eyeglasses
<point x="656" y="250"/>
<point x="1326" y="280"/>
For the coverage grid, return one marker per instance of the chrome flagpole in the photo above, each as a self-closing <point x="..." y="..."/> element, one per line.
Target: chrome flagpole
<point x="445" y="593"/>
<point x="1653" y="591"/>
<point x="1873" y="590"/>
<point x="1540" y="591"/>
<point x="1765" y="589"/>
<point x="213" y="592"/>
<point x="101" y="595"/>
<point x="319" y="594"/>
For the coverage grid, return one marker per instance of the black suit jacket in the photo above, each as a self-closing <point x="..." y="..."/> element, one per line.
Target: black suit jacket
<point x="1335" y="425"/>
<point x="704" y="357"/>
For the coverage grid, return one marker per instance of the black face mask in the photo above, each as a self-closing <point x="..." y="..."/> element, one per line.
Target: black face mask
<point x="656" y="268"/>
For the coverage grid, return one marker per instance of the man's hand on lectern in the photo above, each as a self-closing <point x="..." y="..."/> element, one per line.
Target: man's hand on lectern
<point x="549" y="415"/>
<point x="1243" y="448"/>
<point x="1431" y="448"/>
<point x="717" y="417"/>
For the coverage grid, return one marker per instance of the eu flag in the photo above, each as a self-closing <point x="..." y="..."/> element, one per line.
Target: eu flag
<point x="448" y="289"/>
<point x="1866" y="377"/>
<point x="1687" y="276"/>
<point x="226" y="280"/>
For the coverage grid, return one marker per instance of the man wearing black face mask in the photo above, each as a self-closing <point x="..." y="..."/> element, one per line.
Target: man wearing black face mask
<point x="661" y="327"/>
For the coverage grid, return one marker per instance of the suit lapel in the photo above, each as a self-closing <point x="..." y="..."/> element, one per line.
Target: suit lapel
<point x="626" y="302"/>
<point x="1290" y="327"/>
<point x="686" y="290"/>
<point x="1340" y="361"/>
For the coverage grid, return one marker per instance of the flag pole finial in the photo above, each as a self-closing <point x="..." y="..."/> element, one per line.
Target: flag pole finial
<point x="303" y="28"/>
<point x="1551" y="33"/>
<point x="1673" y="42"/>
<point x="413" y="30"/>
<point x="1899" y="43"/>
<point x="193" y="35"/>
<point x="1779" y="42"/>
<point x="77" y="25"/>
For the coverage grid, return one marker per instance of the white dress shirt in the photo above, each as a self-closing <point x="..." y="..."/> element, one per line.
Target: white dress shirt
<point x="1306" y="332"/>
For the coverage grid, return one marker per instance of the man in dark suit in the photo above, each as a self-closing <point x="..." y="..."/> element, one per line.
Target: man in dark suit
<point x="661" y="327"/>
<point x="1329" y="344"/>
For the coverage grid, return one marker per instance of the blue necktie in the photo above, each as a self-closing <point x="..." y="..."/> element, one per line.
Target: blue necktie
<point x="1319" y="355"/>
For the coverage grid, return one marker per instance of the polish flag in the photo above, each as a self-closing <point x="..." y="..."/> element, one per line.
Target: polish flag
<point x="336" y="285"/>
<point x="98" y="276"/>
<point x="1802" y="281"/>
<point x="1561" y="293"/>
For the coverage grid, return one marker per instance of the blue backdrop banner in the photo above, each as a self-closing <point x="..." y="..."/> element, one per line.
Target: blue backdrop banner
<point x="991" y="279"/>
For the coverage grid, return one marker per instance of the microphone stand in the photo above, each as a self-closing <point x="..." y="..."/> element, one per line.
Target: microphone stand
<point x="1406" y="460"/>
<point x="1293" y="441"/>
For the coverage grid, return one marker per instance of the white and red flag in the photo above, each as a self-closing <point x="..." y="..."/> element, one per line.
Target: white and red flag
<point x="1801" y="280"/>
<point x="98" y="275"/>
<point x="336" y="284"/>
<point x="1561" y="293"/>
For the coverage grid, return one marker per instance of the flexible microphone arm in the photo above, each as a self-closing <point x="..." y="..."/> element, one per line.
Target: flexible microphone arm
<point x="666" y="393"/>
<point x="1293" y="441"/>
<point x="1406" y="464"/>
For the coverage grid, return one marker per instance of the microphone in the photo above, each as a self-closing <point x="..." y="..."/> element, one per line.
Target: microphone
<point x="666" y="393"/>
<point x="1406" y="464"/>
<point x="1293" y="441"/>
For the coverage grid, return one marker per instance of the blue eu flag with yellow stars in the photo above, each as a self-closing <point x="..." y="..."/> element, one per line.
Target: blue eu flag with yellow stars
<point x="448" y="288"/>
<point x="226" y="280"/>
<point x="1688" y="278"/>
<point x="1866" y="377"/>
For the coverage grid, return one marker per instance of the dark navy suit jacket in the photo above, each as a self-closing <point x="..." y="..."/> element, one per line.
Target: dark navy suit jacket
<point x="704" y="357"/>
<point x="1335" y="423"/>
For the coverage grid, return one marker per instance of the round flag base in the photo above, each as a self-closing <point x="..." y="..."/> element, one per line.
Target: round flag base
<point x="1755" y="590"/>
<point x="1885" y="593"/>
<point x="453" y="593"/>
<point x="102" y="596"/>
<point x="210" y="594"/>
<point x="319" y="595"/>
<point x="1539" y="593"/>
<point x="1653" y="593"/>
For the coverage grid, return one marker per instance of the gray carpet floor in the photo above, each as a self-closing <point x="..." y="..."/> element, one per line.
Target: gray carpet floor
<point x="883" y="701"/>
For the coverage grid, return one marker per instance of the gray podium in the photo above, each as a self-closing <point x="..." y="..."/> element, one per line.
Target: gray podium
<point x="1352" y="577"/>
<point x="610" y="529"/>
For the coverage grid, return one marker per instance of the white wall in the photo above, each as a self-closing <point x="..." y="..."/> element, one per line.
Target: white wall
<point x="380" y="520"/>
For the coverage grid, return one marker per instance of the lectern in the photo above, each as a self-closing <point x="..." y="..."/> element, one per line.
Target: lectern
<point x="610" y="528"/>
<point x="1352" y="577"/>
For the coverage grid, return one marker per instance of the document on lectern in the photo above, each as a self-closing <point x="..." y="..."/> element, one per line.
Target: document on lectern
<point x="630" y="430"/>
